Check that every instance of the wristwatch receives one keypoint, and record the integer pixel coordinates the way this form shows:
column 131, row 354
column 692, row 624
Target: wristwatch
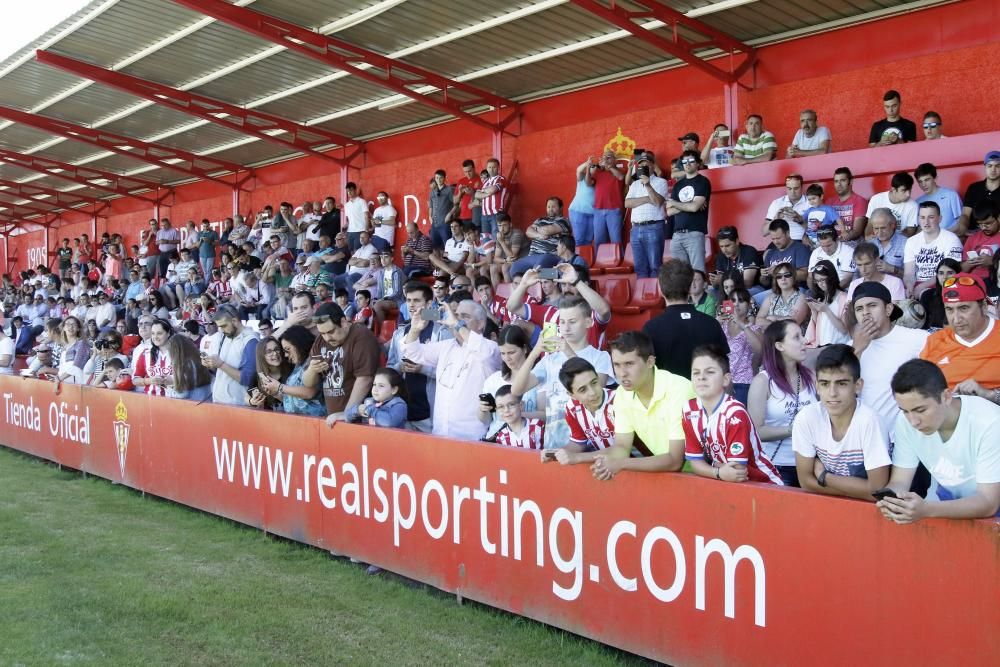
column 821, row 480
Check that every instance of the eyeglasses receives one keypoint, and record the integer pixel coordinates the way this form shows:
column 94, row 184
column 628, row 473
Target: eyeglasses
column 780, row 276
column 928, row 126
column 273, row 350
column 960, row 280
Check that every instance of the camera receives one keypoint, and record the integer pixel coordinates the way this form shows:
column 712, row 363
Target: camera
column 641, row 171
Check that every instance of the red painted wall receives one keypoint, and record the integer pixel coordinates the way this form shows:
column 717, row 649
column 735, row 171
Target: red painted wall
column 938, row 58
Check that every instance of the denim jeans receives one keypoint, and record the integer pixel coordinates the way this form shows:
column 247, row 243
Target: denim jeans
column 206, row 266
column 689, row 247
column 607, row 226
column 354, row 241
column 583, row 227
column 440, row 235
column 647, row 248
column 488, row 225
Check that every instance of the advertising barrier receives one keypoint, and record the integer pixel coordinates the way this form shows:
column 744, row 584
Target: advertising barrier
column 677, row 568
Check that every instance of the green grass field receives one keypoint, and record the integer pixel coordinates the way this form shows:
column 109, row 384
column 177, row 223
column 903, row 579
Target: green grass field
column 92, row 573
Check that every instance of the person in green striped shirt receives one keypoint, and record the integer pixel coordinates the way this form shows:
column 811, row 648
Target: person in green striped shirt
column 756, row 145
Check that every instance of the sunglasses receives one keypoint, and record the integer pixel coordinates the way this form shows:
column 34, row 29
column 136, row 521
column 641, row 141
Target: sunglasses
column 928, row 126
column 105, row 345
column 779, row 276
column 960, row 280
column 689, row 160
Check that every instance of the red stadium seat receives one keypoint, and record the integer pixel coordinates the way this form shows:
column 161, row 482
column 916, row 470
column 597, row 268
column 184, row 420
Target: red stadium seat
column 627, row 265
column 617, row 291
column 587, row 252
column 647, row 294
column 609, row 255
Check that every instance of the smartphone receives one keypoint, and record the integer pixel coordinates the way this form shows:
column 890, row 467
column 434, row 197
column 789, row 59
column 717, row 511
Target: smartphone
column 548, row 274
column 430, row 315
column 488, row 398
column 723, row 134
column 550, row 337
column 884, row 492
column 727, row 308
column 549, row 454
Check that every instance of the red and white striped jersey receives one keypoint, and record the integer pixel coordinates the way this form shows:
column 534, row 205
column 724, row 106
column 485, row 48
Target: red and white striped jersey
column 726, row 436
column 531, row 436
column 540, row 314
column 594, row 429
column 498, row 309
column 495, row 202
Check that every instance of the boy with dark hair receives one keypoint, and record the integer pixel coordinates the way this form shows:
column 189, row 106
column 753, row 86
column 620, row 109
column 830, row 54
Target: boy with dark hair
column 818, row 213
column 956, row 437
column 720, row 439
column 589, row 414
column 893, row 129
column 897, row 199
column 840, row 446
column 365, row 314
column 516, row 430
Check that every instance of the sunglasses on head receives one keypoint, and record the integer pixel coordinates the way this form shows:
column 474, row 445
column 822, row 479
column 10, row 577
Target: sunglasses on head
column 959, row 280
column 826, row 234
column 321, row 319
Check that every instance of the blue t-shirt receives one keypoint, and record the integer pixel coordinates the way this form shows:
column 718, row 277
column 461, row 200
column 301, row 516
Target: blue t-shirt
column 817, row 216
column 583, row 200
column 207, row 240
column 970, row 457
column 950, row 203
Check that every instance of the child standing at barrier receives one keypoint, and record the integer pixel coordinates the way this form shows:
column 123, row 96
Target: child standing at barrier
column 387, row 404
column 590, row 414
column 516, row 430
column 720, row 439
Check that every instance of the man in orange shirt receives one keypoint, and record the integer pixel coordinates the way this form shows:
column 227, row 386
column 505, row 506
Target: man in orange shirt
column 968, row 350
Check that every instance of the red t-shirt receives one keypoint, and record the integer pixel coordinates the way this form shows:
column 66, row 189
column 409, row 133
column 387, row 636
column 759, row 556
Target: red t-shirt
column 465, row 212
column 607, row 190
column 984, row 245
column 854, row 207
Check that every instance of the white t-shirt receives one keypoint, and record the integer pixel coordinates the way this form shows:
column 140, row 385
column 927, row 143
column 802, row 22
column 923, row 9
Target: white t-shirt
column 879, row 362
column 354, row 211
column 648, row 212
column 811, row 143
column 720, row 157
column 897, row 290
column 556, row 397
column 863, row 448
column 842, row 259
column 367, row 251
column 970, row 457
column 928, row 254
column 7, row 347
column 905, row 212
column 455, row 250
column 387, row 232
column 310, row 222
column 795, row 229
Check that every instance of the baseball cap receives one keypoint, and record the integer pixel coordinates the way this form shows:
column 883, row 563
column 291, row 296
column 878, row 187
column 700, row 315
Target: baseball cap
column 874, row 290
column 331, row 310
column 963, row 287
column 690, row 136
column 992, row 156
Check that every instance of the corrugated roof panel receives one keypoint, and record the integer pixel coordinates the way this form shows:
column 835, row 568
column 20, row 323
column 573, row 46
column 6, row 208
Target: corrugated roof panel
column 20, row 138
column 266, row 77
column 193, row 56
column 254, row 153
column 91, row 104
column 33, row 83
column 362, row 124
column 327, row 98
column 150, row 122
column 141, row 22
column 311, row 13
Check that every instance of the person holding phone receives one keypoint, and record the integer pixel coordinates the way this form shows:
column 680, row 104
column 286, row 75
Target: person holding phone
column 718, row 152
column 957, row 438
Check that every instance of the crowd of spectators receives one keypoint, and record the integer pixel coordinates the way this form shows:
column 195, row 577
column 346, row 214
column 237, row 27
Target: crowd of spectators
column 857, row 354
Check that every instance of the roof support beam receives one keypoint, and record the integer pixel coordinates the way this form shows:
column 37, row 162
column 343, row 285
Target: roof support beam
column 31, row 208
column 362, row 63
column 48, row 196
column 108, row 181
column 156, row 154
column 678, row 47
column 300, row 137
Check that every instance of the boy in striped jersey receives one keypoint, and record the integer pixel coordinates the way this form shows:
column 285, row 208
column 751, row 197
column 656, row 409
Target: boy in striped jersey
column 590, row 414
column 516, row 430
column 840, row 445
column 720, row 439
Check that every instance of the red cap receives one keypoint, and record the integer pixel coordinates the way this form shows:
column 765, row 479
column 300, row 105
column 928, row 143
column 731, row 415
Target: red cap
column 963, row 287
